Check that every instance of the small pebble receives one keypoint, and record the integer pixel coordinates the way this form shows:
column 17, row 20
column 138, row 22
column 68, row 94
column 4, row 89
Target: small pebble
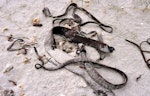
column 36, row 21
column 141, row 23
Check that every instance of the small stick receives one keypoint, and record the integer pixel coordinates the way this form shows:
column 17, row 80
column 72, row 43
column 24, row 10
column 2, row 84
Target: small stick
column 137, row 79
column 37, row 25
column 13, row 82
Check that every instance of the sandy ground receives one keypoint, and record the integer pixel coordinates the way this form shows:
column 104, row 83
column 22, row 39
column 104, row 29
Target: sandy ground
column 129, row 18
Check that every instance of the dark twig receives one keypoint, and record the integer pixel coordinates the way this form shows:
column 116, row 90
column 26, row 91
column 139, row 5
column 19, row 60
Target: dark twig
column 13, row 82
column 37, row 25
column 137, row 79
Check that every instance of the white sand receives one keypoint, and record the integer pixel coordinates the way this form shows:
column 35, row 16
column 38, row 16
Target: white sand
column 129, row 18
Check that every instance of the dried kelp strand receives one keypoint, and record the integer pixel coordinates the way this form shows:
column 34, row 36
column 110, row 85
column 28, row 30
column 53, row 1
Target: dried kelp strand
column 15, row 49
column 142, row 51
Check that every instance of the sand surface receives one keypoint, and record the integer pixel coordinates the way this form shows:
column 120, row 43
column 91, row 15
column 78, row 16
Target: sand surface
column 130, row 19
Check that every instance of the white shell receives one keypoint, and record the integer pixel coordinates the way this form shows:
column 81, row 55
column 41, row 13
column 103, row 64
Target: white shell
column 62, row 95
column 82, row 83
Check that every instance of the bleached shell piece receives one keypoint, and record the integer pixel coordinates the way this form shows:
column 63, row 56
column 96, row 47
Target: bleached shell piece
column 8, row 68
column 62, row 95
column 33, row 39
column 67, row 26
column 82, row 83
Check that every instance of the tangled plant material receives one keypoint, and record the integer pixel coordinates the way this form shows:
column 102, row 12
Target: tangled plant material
column 87, row 68
column 88, row 71
column 142, row 51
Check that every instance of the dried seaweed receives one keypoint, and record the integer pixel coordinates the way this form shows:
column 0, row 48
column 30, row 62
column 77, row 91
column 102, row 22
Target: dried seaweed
column 8, row 93
column 87, row 67
column 142, row 51
column 78, row 19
